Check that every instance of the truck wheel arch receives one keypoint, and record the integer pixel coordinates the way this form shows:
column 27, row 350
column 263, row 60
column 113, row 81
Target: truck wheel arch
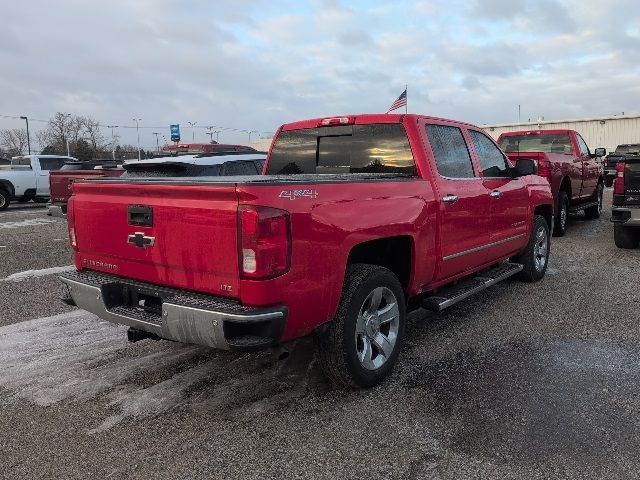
column 395, row 253
column 8, row 186
column 546, row 211
column 566, row 186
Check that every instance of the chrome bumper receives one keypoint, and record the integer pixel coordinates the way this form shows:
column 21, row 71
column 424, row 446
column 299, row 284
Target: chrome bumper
column 184, row 317
column 626, row 216
column 56, row 211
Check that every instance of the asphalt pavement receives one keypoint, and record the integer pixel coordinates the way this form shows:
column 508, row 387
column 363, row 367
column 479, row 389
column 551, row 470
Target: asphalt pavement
column 523, row 381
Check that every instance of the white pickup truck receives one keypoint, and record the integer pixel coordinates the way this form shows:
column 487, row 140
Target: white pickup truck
column 27, row 178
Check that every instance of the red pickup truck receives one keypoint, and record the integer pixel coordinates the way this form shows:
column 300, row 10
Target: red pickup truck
column 358, row 220
column 563, row 158
column 61, row 181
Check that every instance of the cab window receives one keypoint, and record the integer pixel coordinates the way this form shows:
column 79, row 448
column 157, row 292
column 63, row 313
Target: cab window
column 492, row 161
column 450, row 151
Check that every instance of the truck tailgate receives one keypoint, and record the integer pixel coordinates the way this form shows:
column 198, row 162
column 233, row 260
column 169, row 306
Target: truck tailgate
column 158, row 233
column 632, row 181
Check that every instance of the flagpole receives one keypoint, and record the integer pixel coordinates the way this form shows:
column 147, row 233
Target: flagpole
column 406, row 104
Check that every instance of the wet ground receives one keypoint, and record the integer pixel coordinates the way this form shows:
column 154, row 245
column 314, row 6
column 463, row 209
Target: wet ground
column 523, row 381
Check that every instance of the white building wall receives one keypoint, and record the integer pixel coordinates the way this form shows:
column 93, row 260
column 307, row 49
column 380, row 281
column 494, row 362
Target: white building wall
column 605, row 132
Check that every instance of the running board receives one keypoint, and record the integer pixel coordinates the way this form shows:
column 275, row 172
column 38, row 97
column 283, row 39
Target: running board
column 450, row 295
column 582, row 206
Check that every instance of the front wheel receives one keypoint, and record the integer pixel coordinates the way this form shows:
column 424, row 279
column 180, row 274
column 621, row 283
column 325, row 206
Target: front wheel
column 5, row 199
column 625, row 237
column 535, row 257
column 594, row 212
column 361, row 345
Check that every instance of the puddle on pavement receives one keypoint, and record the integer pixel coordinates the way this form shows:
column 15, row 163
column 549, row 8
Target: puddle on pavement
column 531, row 402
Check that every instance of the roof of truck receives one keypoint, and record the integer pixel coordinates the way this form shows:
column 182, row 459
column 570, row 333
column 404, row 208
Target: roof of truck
column 364, row 119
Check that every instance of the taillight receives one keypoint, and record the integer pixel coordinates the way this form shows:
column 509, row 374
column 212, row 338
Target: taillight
column 264, row 243
column 71, row 225
column 544, row 168
column 605, row 161
column 618, row 182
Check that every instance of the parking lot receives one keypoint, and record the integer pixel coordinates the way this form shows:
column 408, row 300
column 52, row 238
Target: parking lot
column 526, row 380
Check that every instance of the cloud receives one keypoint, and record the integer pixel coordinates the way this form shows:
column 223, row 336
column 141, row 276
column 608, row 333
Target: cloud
column 254, row 64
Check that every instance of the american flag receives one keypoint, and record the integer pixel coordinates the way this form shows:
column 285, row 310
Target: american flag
column 401, row 101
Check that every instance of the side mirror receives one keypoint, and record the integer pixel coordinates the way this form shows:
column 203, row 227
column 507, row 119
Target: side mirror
column 525, row 166
column 600, row 152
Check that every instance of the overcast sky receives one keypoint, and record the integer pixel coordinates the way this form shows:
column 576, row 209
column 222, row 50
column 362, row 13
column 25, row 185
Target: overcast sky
column 253, row 64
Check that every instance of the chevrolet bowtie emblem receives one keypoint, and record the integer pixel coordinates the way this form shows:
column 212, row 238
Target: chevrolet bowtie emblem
column 140, row 240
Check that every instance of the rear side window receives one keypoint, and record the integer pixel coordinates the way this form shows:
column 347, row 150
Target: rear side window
column 450, row 151
column 51, row 163
column 491, row 158
column 376, row 148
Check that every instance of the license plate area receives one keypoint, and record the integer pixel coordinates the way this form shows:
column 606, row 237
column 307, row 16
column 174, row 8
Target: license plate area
column 136, row 299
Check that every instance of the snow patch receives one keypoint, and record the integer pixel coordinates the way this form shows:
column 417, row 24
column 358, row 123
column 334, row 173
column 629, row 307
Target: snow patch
column 20, row 276
column 26, row 223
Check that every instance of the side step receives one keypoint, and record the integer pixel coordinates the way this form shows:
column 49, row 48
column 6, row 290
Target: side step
column 450, row 295
column 582, row 206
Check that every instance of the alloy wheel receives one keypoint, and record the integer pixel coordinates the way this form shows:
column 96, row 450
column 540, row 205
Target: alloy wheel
column 541, row 249
column 377, row 328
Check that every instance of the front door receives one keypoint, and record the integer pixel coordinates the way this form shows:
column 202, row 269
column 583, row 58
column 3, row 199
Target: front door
column 508, row 198
column 590, row 170
column 463, row 202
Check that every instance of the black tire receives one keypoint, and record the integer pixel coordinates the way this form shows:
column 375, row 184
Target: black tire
column 535, row 256
column 626, row 237
column 338, row 344
column 593, row 213
column 5, row 199
column 562, row 219
column 608, row 181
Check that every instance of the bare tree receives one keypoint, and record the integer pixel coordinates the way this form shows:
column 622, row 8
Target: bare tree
column 78, row 131
column 13, row 141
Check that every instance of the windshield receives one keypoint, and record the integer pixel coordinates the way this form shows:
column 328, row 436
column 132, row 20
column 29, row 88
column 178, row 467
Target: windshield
column 375, row 148
column 545, row 142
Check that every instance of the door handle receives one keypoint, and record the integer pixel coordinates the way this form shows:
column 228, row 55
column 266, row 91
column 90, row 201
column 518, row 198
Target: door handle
column 495, row 194
column 450, row 198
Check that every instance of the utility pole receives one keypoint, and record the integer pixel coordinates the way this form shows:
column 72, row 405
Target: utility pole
column 250, row 132
column 28, row 137
column 518, row 113
column 138, row 132
column 193, row 131
column 157, row 144
column 211, row 132
column 113, row 141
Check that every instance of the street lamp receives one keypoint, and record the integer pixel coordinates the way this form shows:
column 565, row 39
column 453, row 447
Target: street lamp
column 157, row 144
column 193, row 131
column 66, row 137
column 138, row 133
column 28, row 137
column 113, row 141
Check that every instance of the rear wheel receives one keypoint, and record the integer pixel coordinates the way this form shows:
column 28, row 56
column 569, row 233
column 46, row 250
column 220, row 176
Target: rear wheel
column 535, row 257
column 562, row 215
column 595, row 211
column 361, row 345
column 5, row 199
column 625, row 237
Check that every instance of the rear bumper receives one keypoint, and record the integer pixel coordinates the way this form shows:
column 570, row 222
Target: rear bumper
column 626, row 215
column 59, row 211
column 178, row 315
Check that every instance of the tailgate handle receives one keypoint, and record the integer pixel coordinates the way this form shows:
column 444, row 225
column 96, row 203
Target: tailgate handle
column 141, row 215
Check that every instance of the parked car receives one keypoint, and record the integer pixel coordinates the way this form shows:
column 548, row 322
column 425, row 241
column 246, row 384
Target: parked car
column 27, row 178
column 563, row 158
column 631, row 150
column 359, row 220
column 61, row 181
column 625, row 213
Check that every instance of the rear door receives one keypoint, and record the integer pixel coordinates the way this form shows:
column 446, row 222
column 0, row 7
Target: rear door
column 464, row 202
column 508, row 198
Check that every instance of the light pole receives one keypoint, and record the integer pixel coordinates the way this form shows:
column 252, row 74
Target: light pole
column 193, row 131
column 157, row 144
column 113, row 141
column 138, row 133
column 66, row 137
column 28, row 137
column 250, row 132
